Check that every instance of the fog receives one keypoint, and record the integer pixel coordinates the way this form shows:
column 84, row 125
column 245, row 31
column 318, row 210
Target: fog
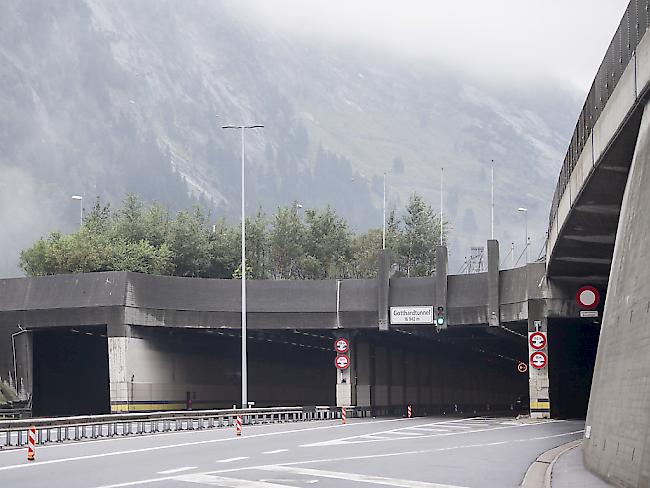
column 495, row 39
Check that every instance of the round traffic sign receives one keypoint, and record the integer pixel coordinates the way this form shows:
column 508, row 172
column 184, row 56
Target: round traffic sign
column 342, row 361
column 522, row 367
column 588, row 297
column 341, row 345
column 537, row 340
column 538, row 360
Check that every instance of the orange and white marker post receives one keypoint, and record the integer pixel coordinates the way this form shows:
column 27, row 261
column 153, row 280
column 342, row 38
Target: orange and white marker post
column 409, row 412
column 31, row 444
column 238, row 424
column 344, row 417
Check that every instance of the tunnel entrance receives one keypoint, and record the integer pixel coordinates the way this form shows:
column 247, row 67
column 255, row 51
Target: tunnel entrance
column 71, row 371
column 572, row 357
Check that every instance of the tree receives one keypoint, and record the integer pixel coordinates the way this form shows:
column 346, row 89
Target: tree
column 327, row 244
column 417, row 246
column 188, row 240
column 286, row 244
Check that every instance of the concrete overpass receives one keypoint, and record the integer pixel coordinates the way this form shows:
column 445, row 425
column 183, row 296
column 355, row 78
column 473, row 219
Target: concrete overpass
column 598, row 235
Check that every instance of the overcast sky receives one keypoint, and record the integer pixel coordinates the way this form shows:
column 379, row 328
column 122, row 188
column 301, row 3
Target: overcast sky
column 563, row 38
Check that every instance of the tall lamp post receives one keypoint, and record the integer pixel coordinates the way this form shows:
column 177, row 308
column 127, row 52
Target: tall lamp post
column 81, row 208
column 525, row 212
column 244, row 369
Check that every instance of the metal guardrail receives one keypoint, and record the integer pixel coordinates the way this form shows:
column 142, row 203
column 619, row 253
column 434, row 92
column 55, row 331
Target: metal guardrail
column 13, row 433
column 621, row 50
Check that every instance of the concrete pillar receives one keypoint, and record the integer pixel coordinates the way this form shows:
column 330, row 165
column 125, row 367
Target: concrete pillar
column 442, row 268
column 383, row 283
column 346, row 393
column 493, row 282
column 538, row 380
column 24, row 355
column 118, row 371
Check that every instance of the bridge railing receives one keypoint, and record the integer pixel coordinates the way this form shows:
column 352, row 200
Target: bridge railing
column 621, row 50
column 14, row 433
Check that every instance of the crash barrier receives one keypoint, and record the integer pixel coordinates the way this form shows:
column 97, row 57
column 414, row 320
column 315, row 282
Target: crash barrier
column 15, row 433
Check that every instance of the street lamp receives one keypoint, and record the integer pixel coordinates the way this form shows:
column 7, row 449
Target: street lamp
column 244, row 372
column 81, row 208
column 525, row 212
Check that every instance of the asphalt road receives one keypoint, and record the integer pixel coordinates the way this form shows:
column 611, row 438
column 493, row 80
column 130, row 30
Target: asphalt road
column 413, row 453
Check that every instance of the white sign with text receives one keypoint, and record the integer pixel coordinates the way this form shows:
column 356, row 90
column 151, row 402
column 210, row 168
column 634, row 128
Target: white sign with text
column 411, row 315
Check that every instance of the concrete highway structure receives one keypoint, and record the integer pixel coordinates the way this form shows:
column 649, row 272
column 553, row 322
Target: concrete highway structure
column 126, row 342
column 427, row 452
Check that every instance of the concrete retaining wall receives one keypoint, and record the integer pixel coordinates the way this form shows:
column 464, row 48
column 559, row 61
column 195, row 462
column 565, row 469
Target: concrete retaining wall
column 618, row 421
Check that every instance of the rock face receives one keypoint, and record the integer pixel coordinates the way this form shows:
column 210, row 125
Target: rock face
column 100, row 98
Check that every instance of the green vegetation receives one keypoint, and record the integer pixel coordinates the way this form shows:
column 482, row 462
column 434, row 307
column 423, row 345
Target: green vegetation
column 287, row 245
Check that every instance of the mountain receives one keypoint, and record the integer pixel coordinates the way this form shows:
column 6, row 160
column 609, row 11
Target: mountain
column 103, row 98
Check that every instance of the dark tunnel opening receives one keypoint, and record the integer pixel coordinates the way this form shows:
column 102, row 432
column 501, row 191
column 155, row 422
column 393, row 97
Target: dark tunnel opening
column 572, row 358
column 71, row 372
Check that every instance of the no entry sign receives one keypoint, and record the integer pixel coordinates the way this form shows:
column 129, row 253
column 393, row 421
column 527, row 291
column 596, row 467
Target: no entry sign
column 537, row 340
column 538, row 360
column 341, row 345
column 587, row 297
column 342, row 361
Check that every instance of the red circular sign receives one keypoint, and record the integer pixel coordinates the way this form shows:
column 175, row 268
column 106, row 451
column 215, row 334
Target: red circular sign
column 341, row 345
column 538, row 360
column 537, row 340
column 522, row 367
column 342, row 361
column 588, row 297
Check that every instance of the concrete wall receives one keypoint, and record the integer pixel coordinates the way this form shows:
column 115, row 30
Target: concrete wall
column 618, row 421
column 152, row 368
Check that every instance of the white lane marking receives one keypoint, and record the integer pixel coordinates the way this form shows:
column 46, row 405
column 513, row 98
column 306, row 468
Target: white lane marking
column 362, row 478
column 364, row 439
column 244, row 468
column 336, row 422
column 209, row 480
column 232, row 460
column 180, row 444
column 333, row 460
column 276, row 451
column 177, row 470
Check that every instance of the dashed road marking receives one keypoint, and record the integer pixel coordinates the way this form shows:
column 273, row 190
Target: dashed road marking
column 232, row 460
column 177, row 470
column 277, row 451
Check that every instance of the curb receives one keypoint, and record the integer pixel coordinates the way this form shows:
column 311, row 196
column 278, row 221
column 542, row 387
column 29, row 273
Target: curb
column 539, row 473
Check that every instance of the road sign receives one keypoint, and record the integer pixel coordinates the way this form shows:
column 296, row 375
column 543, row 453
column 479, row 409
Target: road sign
column 522, row 367
column 538, row 360
column 537, row 340
column 342, row 361
column 411, row 315
column 589, row 314
column 587, row 297
column 341, row 345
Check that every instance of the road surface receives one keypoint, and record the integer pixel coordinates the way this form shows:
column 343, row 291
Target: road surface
column 429, row 452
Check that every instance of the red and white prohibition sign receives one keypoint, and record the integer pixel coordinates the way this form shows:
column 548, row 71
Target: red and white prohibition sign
column 341, row 345
column 538, row 360
column 588, row 297
column 537, row 340
column 342, row 361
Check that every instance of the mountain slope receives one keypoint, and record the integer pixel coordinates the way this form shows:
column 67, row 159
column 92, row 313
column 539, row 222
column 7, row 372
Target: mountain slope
column 101, row 98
